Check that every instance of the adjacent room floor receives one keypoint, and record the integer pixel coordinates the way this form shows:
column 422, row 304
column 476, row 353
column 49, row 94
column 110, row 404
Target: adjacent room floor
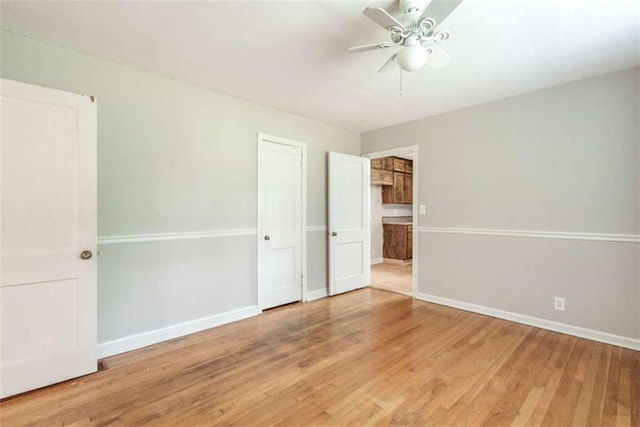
column 392, row 277
column 361, row 358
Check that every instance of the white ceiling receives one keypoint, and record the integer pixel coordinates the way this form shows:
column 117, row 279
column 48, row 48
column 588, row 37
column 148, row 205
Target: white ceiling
column 290, row 54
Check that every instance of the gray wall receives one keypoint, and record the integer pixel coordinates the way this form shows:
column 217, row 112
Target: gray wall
column 174, row 158
column 564, row 160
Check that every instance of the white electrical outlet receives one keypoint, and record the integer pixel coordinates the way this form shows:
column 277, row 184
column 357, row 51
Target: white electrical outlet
column 558, row 303
column 423, row 209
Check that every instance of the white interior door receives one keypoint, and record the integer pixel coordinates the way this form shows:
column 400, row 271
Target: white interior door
column 281, row 219
column 349, row 237
column 48, row 292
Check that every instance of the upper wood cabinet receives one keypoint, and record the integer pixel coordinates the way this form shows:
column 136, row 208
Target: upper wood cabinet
column 398, row 164
column 385, row 163
column 408, row 166
column 381, row 177
column 382, row 171
column 398, row 179
column 408, row 188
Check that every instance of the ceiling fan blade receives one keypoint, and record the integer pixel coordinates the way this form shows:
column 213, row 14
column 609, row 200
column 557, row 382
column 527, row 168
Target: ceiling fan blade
column 382, row 17
column 391, row 64
column 438, row 58
column 439, row 10
column 366, row 47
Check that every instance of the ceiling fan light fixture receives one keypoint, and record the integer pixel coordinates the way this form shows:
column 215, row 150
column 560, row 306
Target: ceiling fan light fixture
column 412, row 57
column 442, row 36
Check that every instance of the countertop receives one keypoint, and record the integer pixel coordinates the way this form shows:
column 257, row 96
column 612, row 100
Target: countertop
column 397, row 220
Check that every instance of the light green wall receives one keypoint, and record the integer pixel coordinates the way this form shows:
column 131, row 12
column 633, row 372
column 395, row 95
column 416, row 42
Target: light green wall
column 173, row 157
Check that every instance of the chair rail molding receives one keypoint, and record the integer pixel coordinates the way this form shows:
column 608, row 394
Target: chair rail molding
column 139, row 238
column 567, row 235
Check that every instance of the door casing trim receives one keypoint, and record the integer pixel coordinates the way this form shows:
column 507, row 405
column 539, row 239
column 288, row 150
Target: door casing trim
column 413, row 151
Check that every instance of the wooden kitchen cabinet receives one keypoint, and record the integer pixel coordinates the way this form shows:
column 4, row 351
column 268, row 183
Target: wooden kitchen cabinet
column 397, row 241
column 408, row 166
column 408, row 188
column 384, row 163
column 382, row 171
column 398, row 164
column 387, row 163
column 381, row 177
column 401, row 190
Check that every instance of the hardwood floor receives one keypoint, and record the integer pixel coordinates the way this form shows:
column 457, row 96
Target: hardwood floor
column 392, row 277
column 366, row 357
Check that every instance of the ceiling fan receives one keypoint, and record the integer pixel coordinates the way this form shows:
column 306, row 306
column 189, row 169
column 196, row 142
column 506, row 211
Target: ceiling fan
column 417, row 30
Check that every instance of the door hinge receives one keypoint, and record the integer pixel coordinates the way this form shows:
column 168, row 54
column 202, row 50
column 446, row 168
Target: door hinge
column 301, row 281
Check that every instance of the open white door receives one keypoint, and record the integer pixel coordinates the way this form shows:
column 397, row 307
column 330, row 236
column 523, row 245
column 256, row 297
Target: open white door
column 48, row 321
column 349, row 236
column 281, row 221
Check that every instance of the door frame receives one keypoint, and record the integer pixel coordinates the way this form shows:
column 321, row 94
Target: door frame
column 263, row 137
column 413, row 151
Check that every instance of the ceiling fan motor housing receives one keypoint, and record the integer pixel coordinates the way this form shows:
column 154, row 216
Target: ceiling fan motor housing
column 409, row 6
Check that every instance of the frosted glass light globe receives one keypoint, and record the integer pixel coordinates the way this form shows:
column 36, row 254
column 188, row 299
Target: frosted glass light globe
column 412, row 57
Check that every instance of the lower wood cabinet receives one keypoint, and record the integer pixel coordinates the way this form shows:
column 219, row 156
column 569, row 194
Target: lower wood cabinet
column 397, row 241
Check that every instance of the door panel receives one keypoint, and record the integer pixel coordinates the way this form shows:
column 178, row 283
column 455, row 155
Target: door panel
column 280, row 224
column 47, row 292
column 408, row 188
column 349, row 236
column 398, row 187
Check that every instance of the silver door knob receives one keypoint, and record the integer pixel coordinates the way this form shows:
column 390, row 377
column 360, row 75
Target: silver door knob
column 267, row 237
column 334, row 234
column 86, row 254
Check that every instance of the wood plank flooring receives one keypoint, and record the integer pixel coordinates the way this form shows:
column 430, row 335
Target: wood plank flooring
column 392, row 277
column 362, row 358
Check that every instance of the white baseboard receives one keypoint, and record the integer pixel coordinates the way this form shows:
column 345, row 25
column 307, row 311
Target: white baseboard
column 375, row 261
column 626, row 342
column 144, row 339
column 317, row 294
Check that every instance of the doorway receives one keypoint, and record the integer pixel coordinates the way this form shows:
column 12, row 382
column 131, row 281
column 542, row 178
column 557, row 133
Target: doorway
column 394, row 214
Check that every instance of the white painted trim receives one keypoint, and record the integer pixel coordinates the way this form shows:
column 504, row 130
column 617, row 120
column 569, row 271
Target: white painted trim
column 303, row 147
column 626, row 238
column 413, row 151
column 317, row 228
column 140, row 238
column 410, row 150
column 317, row 294
column 375, row 261
column 626, row 342
column 144, row 339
